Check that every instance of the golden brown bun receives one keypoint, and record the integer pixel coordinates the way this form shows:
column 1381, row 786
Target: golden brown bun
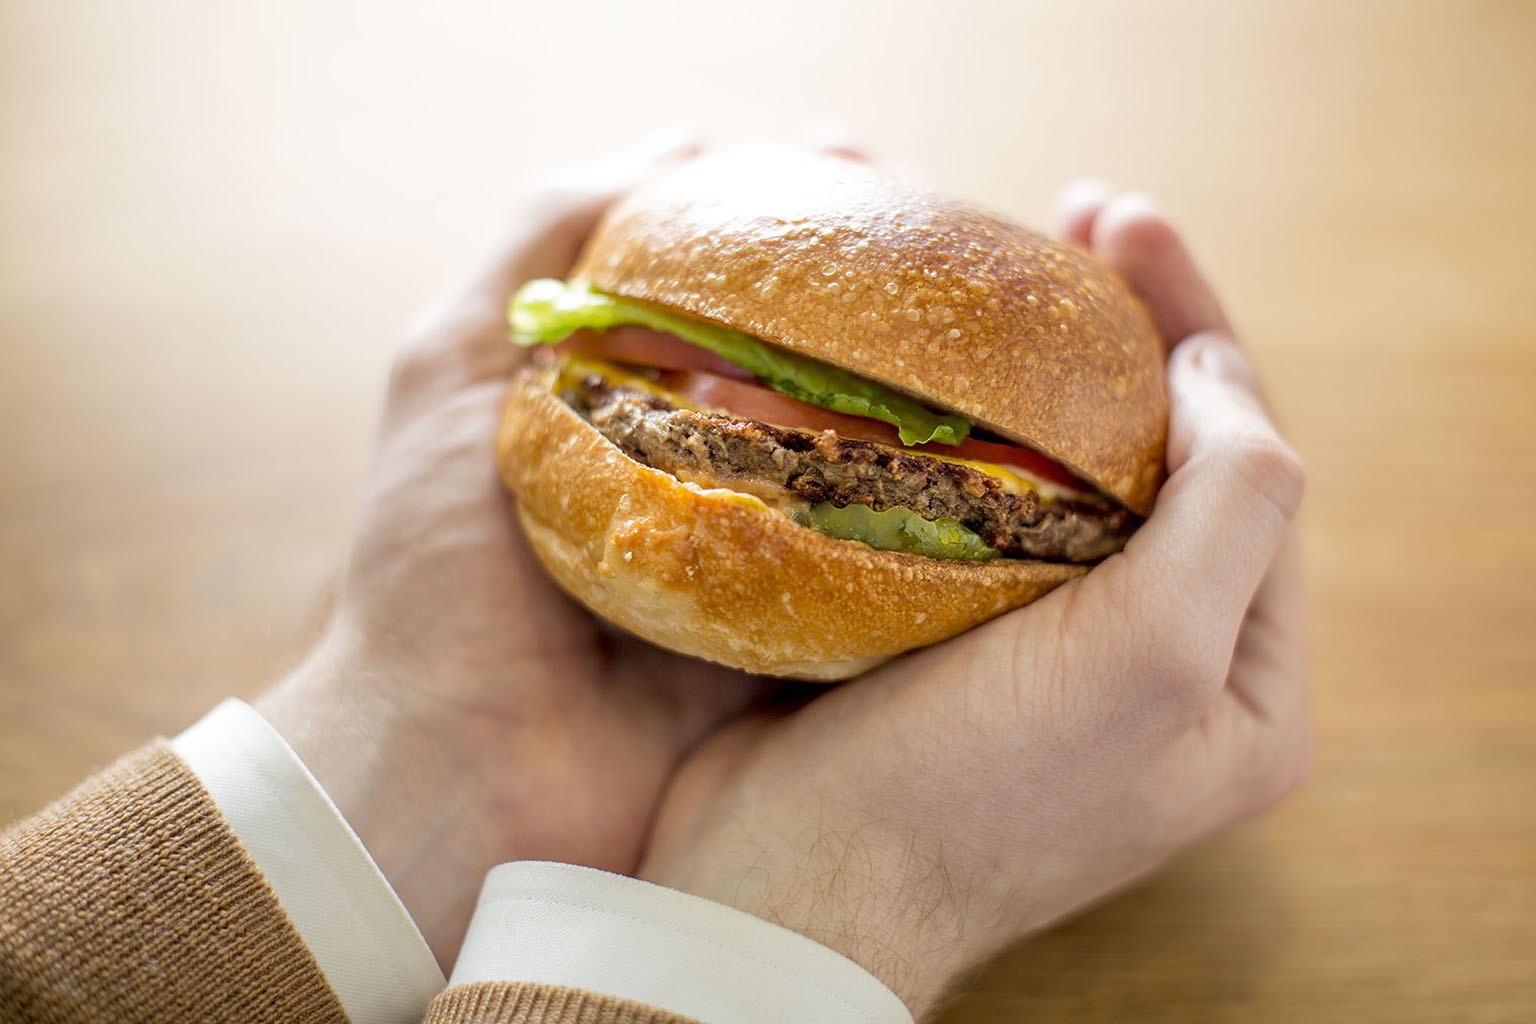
column 838, row 260
column 717, row 575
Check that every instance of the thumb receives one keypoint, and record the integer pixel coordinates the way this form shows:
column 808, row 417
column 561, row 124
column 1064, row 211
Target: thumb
column 555, row 217
column 462, row 339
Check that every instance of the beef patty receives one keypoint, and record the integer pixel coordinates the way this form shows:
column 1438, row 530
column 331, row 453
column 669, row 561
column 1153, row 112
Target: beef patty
column 717, row 450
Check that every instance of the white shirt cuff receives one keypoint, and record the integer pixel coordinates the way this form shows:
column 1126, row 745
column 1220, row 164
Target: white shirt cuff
column 364, row 940
column 558, row 924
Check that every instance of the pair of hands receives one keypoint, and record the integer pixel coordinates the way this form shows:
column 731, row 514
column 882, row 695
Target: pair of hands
column 463, row 712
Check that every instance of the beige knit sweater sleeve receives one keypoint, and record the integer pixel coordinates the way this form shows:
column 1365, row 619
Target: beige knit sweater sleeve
column 131, row 899
column 500, row 1002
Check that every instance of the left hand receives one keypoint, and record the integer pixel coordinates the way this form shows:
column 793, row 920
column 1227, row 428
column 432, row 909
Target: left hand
column 460, row 710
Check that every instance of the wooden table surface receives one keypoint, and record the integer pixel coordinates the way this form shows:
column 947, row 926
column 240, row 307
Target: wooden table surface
column 215, row 218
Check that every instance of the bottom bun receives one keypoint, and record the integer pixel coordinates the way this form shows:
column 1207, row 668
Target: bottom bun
column 718, row 575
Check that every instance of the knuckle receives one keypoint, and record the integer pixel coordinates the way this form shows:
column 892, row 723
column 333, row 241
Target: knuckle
column 1271, row 469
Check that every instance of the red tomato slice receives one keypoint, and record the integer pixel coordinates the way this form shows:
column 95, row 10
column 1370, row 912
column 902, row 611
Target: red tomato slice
column 754, row 402
column 644, row 347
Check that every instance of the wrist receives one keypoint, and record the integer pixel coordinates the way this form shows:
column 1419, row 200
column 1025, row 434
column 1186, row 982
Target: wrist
column 900, row 919
column 404, row 777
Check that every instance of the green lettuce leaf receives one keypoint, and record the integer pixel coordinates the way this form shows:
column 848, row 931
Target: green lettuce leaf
column 898, row 529
column 545, row 312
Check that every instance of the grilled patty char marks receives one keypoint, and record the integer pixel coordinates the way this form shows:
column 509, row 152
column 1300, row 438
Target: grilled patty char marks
column 722, row 451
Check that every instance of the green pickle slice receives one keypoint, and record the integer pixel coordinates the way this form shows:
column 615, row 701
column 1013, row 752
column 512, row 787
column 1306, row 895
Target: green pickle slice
column 898, row 529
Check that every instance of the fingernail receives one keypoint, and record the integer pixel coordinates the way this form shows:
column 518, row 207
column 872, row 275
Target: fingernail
column 1224, row 361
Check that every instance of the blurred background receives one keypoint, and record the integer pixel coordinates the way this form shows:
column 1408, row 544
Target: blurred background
column 217, row 219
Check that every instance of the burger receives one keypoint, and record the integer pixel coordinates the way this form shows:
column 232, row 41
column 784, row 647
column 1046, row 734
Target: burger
column 795, row 415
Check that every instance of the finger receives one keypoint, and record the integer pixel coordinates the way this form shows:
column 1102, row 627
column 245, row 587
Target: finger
column 1076, row 208
column 1269, row 670
column 1253, row 745
column 463, row 340
column 553, row 222
column 1239, row 765
column 1132, row 237
column 1233, row 767
column 1187, row 578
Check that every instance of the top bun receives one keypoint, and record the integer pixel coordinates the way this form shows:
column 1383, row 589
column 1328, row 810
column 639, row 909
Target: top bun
column 840, row 261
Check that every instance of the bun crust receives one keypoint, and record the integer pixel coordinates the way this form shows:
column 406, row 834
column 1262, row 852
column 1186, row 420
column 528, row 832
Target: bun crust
column 834, row 259
column 718, row 575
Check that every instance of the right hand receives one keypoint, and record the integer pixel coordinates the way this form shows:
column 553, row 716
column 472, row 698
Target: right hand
column 921, row 818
